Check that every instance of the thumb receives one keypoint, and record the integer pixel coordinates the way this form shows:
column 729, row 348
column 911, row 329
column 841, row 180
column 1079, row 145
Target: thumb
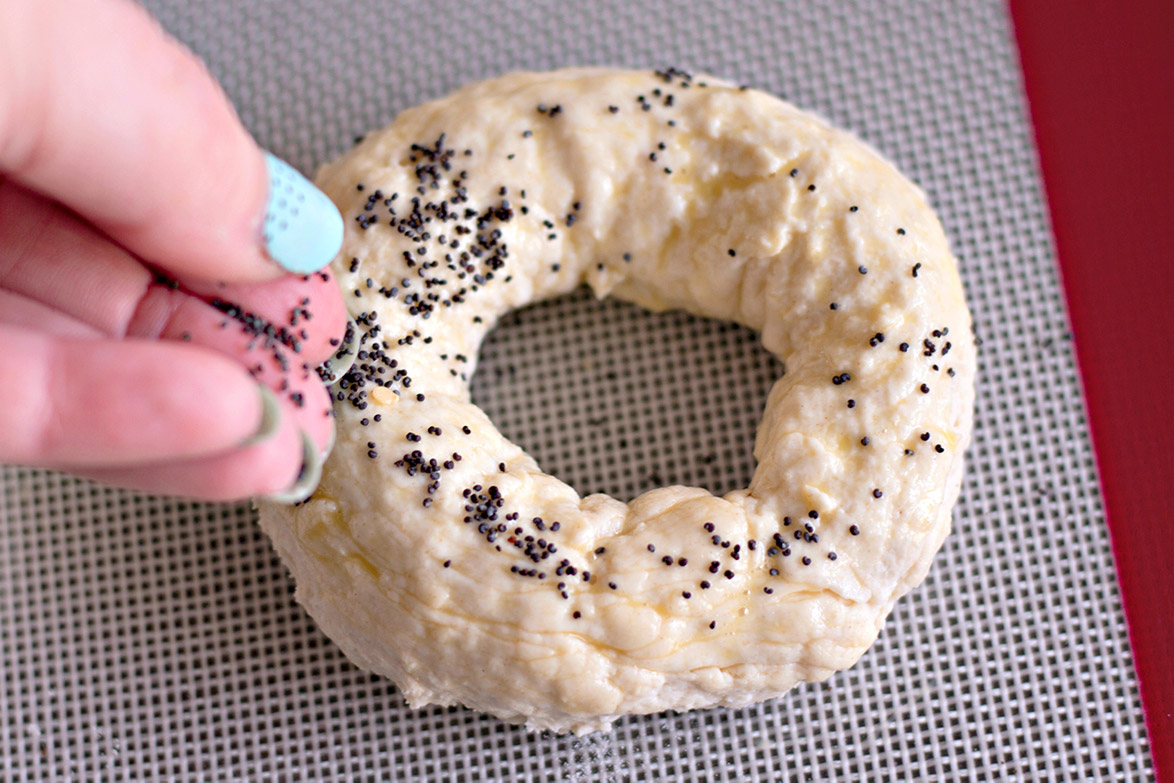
column 104, row 112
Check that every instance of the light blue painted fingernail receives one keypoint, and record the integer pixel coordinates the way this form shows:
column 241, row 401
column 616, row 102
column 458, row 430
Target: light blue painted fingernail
column 303, row 229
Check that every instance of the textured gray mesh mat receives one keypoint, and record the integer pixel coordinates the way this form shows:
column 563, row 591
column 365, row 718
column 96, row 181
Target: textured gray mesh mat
column 145, row 638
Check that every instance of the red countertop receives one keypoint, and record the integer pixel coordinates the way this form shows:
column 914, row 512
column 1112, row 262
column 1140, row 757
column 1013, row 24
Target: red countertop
column 1100, row 83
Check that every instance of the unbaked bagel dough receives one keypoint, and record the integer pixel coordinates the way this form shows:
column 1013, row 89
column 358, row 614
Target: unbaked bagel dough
column 438, row 553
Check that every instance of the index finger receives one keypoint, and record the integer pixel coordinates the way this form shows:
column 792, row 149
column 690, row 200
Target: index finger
column 106, row 113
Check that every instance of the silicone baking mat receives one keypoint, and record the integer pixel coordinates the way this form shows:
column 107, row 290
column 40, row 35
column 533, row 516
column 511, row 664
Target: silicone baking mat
column 148, row 638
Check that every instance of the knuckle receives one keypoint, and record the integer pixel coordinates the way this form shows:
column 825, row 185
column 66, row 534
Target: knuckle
column 155, row 312
column 30, row 432
column 25, row 99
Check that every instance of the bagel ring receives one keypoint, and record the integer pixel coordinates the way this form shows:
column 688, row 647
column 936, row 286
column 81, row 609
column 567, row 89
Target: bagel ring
column 437, row 553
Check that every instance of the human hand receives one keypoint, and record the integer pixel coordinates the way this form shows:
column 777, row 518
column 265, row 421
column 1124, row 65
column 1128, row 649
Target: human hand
column 133, row 208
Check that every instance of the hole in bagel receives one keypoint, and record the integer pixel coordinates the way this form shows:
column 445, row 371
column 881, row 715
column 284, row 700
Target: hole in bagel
column 612, row 398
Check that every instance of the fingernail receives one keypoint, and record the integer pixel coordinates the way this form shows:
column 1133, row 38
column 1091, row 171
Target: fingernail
column 303, row 229
column 270, row 417
column 330, row 443
column 343, row 358
column 308, row 476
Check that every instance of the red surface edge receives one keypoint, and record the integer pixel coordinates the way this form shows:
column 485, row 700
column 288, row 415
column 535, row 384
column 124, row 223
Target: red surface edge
column 1100, row 83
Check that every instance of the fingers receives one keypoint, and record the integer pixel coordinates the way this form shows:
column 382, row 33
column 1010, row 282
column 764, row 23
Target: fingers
column 157, row 417
column 311, row 309
column 68, row 402
column 49, row 255
column 104, row 112
column 267, row 353
column 270, row 468
column 18, row 311
column 256, row 348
